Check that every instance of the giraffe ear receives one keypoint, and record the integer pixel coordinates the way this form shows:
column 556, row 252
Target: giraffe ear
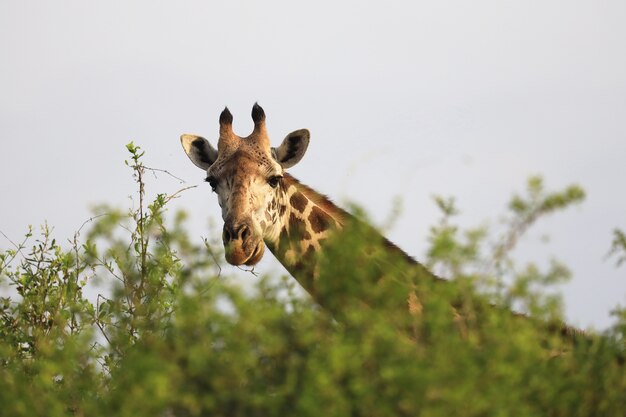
column 199, row 150
column 291, row 151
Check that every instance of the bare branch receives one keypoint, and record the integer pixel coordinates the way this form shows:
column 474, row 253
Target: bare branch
column 177, row 193
column 18, row 248
column 155, row 170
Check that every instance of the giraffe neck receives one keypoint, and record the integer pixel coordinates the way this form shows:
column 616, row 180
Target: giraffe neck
column 307, row 220
column 310, row 225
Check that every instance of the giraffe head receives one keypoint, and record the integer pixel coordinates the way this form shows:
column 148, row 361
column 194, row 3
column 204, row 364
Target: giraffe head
column 246, row 173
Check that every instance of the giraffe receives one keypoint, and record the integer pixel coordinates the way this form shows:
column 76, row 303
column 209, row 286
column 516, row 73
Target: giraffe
column 264, row 206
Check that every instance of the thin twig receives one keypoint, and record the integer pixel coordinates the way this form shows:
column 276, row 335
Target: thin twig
column 107, row 337
column 177, row 193
column 165, row 172
column 252, row 271
column 18, row 248
column 219, row 267
column 9, row 239
column 108, row 268
column 92, row 218
column 208, row 247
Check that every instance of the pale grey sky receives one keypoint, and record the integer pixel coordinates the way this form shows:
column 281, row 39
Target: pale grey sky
column 403, row 98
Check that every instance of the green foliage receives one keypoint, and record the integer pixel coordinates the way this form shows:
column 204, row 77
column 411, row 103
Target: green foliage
column 485, row 257
column 618, row 247
column 135, row 318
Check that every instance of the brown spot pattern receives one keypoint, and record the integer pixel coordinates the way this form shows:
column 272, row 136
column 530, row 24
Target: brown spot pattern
column 319, row 220
column 299, row 202
column 297, row 228
column 306, row 261
column 283, row 243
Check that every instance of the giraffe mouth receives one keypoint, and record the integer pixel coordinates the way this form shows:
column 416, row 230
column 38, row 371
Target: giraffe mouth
column 257, row 254
column 236, row 255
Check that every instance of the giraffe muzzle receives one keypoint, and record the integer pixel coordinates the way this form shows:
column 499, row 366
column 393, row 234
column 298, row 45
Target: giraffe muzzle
column 241, row 246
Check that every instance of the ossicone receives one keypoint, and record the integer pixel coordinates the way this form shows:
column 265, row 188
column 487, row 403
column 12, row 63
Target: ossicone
column 258, row 115
column 226, row 118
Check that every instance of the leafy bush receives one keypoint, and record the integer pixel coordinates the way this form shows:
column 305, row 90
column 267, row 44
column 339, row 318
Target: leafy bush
column 139, row 320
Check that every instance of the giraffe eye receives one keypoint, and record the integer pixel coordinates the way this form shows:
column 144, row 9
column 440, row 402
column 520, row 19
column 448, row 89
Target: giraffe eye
column 274, row 180
column 212, row 182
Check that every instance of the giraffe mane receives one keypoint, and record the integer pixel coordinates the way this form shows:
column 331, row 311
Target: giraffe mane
column 340, row 215
column 320, row 200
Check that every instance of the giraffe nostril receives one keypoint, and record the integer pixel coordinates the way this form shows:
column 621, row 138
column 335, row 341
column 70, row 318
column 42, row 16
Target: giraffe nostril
column 237, row 232
column 244, row 232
